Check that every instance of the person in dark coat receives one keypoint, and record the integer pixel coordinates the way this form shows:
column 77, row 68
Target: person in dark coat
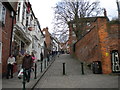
column 27, row 65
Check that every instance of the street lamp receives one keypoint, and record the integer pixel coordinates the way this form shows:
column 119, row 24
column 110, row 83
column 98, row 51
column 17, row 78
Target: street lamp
column 118, row 5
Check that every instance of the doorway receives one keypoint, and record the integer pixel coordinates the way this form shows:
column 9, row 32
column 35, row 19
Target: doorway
column 115, row 61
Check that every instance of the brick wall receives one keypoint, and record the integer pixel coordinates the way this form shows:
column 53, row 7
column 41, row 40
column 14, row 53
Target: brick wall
column 47, row 38
column 113, row 36
column 104, row 46
column 87, row 49
column 98, row 44
column 6, row 34
column 71, row 39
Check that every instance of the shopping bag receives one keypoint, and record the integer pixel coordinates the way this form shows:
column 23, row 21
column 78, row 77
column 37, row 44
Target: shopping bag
column 20, row 73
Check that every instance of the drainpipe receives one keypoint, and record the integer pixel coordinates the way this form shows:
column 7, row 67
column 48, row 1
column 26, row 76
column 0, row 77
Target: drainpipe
column 12, row 16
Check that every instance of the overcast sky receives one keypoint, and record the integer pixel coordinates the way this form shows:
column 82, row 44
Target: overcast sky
column 44, row 12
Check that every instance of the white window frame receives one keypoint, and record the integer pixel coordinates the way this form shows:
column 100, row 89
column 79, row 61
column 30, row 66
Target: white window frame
column 18, row 12
column 2, row 17
column 0, row 52
column 0, row 12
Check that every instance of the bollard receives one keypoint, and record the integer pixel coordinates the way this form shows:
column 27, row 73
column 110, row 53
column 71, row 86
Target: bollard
column 35, row 71
column 45, row 63
column 24, row 79
column 41, row 66
column 82, row 69
column 63, row 68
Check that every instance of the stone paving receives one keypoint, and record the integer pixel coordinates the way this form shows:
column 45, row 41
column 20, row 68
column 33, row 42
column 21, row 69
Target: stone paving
column 54, row 77
column 18, row 83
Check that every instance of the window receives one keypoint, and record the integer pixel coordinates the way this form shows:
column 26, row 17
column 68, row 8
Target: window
column 0, row 52
column 24, row 16
column 18, row 12
column 31, row 19
column 2, row 13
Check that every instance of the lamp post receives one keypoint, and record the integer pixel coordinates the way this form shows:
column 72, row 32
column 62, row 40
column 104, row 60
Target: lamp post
column 118, row 5
column 12, row 16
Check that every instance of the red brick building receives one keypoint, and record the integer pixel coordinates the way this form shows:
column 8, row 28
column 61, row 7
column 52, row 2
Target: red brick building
column 8, row 11
column 99, row 43
column 48, row 41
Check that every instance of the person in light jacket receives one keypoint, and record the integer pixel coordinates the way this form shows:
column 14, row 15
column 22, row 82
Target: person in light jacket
column 19, row 59
column 10, row 65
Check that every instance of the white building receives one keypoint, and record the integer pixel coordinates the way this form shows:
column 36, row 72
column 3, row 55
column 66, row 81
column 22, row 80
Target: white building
column 56, row 45
column 38, row 39
column 27, row 34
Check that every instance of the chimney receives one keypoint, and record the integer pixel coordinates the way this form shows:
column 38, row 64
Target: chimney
column 105, row 13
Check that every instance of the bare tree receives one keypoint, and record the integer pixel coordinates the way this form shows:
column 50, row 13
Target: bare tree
column 74, row 10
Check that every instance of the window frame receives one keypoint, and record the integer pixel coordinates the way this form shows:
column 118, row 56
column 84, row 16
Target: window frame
column 1, row 52
column 2, row 17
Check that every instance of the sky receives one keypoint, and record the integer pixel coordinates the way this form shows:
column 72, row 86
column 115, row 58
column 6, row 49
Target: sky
column 44, row 12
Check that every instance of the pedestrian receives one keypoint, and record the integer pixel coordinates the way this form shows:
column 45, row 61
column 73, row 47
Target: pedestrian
column 41, row 55
column 34, row 60
column 19, row 59
column 10, row 65
column 33, row 57
column 27, row 64
column 48, row 57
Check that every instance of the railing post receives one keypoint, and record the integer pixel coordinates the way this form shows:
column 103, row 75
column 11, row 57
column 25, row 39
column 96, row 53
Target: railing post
column 41, row 66
column 24, row 79
column 35, row 71
column 63, row 68
column 45, row 63
column 82, row 69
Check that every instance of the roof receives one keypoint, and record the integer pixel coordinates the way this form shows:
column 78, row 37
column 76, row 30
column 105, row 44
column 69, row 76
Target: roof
column 87, row 19
column 11, row 6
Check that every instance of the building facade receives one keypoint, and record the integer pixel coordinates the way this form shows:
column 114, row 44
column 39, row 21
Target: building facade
column 19, row 33
column 99, row 43
column 27, row 35
column 7, row 19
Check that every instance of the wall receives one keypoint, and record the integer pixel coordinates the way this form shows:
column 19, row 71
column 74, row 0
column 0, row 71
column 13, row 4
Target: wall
column 47, row 38
column 98, row 44
column 104, row 46
column 6, row 35
column 0, row 48
column 113, row 36
column 87, row 49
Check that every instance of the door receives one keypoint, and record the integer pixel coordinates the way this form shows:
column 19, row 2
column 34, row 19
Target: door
column 115, row 62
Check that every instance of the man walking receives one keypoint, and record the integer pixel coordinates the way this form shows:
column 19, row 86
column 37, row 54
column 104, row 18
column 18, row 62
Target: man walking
column 10, row 62
column 27, row 65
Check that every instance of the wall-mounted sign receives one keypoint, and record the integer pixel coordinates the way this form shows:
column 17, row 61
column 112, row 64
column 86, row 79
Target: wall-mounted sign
column 107, row 54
